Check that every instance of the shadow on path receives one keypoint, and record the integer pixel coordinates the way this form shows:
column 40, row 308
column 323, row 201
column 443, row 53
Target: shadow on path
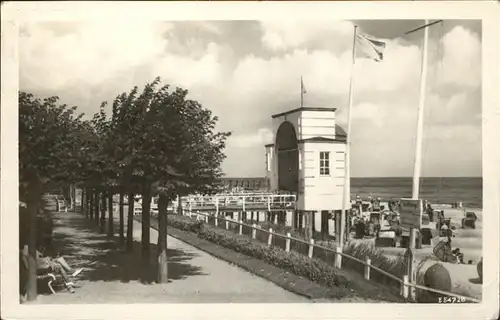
column 80, row 242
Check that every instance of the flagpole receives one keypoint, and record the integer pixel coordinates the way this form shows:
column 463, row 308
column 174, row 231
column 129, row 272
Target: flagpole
column 417, row 167
column 346, row 203
column 417, row 164
column 301, row 92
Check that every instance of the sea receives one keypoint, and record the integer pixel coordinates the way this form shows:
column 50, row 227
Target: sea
column 467, row 190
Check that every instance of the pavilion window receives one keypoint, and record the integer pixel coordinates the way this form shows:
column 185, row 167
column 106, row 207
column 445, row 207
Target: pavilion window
column 324, row 163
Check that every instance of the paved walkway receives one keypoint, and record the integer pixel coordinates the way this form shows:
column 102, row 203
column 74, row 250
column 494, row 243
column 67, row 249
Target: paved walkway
column 115, row 276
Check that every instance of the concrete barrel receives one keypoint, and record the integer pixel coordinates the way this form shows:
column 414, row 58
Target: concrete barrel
column 456, row 278
column 431, row 273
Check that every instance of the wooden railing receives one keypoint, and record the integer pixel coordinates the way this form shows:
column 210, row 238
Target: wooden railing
column 405, row 284
column 244, row 201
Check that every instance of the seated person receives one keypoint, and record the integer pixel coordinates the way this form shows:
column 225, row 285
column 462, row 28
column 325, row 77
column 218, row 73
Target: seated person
column 58, row 266
column 459, row 255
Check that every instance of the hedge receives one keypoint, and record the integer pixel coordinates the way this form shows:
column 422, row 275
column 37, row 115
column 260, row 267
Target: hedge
column 313, row 269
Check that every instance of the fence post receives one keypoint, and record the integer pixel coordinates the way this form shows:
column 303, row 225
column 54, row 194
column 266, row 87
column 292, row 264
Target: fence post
column 270, row 238
column 404, row 287
column 311, row 248
column 240, row 227
column 244, row 198
column 216, row 219
column 206, row 218
column 287, row 243
column 254, row 231
column 338, row 257
column 227, row 224
column 367, row 268
column 269, row 203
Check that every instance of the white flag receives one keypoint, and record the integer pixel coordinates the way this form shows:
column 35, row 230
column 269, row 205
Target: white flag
column 373, row 49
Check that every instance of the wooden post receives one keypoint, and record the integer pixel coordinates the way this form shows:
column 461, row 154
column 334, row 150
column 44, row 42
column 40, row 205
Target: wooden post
column 405, row 287
column 227, row 224
column 367, row 268
column 411, row 264
column 216, row 220
column 240, row 231
column 244, row 198
column 270, row 238
column 206, row 218
column 311, row 248
column 287, row 243
column 254, row 231
column 338, row 257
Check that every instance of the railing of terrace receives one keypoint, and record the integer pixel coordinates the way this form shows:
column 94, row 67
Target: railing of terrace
column 238, row 202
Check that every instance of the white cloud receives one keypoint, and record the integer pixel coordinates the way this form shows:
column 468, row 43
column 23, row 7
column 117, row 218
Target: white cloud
column 91, row 56
column 100, row 61
column 285, row 34
column 461, row 63
column 260, row 138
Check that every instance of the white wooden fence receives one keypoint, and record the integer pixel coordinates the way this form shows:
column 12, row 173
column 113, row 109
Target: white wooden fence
column 405, row 284
column 243, row 201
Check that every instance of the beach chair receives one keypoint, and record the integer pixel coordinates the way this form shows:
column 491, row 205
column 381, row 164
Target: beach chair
column 469, row 221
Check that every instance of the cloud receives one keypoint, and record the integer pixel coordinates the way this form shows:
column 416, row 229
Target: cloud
column 245, row 81
column 280, row 35
column 260, row 138
column 461, row 61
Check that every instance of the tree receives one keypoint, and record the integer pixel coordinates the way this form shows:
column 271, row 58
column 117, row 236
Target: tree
column 163, row 145
column 52, row 139
column 179, row 153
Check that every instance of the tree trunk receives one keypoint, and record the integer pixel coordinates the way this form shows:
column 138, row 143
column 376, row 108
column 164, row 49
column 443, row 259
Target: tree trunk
column 33, row 203
column 146, row 212
column 179, row 205
column 122, row 236
column 130, row 222
column 97, row 208
column 102, row 220
column 72, row 197
column 83, row 199
column 111, row 222
column 91, row 204
column 162, row 240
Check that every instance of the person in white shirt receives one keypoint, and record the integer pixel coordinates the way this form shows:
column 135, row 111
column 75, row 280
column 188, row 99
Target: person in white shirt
column 57, row 265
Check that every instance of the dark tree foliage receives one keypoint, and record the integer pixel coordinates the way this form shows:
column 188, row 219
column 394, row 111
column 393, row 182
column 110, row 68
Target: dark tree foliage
column 52, row 151
column 166, row 144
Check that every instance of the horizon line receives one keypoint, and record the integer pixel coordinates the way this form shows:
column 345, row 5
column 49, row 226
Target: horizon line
column 373, row 177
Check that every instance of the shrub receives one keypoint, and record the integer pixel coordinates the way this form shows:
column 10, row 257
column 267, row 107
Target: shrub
column 395, row 266
column 313, row 269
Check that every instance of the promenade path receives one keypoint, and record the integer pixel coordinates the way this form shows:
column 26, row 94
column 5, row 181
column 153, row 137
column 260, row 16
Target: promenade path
column 115, row 276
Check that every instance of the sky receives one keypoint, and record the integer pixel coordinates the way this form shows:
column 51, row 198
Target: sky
column 246, row 71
